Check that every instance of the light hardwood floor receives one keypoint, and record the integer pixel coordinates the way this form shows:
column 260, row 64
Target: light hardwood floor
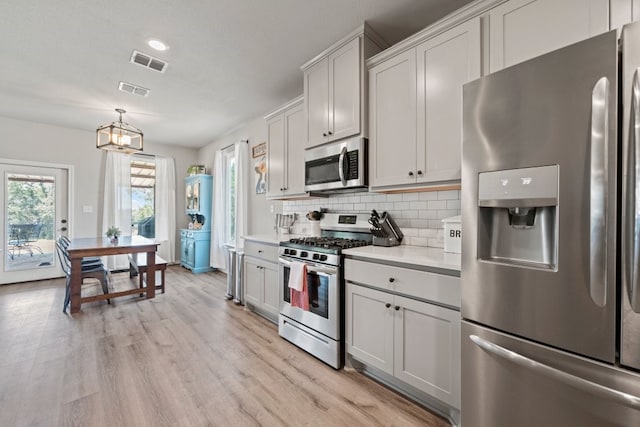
column 185, row 358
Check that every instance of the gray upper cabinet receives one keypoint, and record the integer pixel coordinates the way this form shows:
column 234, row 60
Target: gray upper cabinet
column 415, row 109
column 523, row 29
column 334, row 99
column 285, row 151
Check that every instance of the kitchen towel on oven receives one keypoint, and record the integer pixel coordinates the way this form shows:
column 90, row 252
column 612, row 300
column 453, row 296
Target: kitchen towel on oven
column 298, row 285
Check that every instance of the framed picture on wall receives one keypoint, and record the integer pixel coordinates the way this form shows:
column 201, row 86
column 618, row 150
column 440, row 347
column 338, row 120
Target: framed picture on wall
column 260, row 168
column 259, row 150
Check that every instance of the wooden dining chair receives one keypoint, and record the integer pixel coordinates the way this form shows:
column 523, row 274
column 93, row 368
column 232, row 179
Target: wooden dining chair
column 90, row 269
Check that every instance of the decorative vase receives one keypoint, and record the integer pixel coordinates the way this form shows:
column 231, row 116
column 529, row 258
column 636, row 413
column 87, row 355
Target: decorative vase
column 114, row 240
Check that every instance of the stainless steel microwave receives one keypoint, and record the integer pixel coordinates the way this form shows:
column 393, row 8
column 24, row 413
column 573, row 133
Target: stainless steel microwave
column 340, row 165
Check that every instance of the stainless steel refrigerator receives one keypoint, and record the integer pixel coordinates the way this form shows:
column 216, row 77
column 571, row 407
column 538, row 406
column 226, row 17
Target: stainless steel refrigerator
column 551, row 248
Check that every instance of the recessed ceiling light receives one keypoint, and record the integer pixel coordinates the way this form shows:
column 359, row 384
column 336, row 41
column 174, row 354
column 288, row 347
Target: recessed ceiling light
column 158, row 44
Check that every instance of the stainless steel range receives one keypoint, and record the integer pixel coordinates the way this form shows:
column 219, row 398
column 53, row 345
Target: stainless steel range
column 320, row 329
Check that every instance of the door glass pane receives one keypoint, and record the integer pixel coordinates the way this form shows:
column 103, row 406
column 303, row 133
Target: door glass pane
column 318, row 288
column 30, row 214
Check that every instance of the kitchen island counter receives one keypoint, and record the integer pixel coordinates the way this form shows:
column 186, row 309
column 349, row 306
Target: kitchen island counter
column 415, row 257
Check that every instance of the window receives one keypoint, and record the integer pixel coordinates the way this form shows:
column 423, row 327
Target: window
column 143, row 184
column 229, row 164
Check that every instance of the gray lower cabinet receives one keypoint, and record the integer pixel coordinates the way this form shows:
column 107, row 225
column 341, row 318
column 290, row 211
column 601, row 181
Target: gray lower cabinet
column 261, row 279
column 409, row 336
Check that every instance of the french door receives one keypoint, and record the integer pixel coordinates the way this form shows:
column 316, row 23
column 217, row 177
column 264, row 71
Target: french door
column 34, row 214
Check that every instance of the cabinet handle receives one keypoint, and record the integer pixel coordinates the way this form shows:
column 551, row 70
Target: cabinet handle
column 391, row 280
column 410, row 173
column 397, row 307
column 419, row 172
column 324, row 134
column 330, row 133
column 259, row 251
column 387, row 305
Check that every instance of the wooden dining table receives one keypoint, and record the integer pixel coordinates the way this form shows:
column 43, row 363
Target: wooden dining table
column 102, row 246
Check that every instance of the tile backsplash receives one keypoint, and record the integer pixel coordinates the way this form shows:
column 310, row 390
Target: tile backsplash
column 419, row 215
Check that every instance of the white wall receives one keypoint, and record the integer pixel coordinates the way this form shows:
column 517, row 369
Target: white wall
column 30, row 141
column 261, row 219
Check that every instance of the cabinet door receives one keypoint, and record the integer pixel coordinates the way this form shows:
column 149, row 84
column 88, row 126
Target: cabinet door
column 191, row 252
column 369, row 326
column 523, row 29
column 271, row 300
column 623, row 12
column 445, row 63
column 392, row 126
column 316, row 102
column 183, row 250
column 253, row 282
column 295, row 145
column 344, row 91
column 427, row 348
column 275, row 158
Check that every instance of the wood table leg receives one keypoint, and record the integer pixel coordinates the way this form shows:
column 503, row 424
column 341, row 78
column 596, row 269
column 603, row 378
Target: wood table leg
column 151, row 274
column 76, row 284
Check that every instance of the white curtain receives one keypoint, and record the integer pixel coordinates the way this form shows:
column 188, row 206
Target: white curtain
column 165, row 209
column 242, row 192
column 241, row 154
column 217, row 255
column 117, row 202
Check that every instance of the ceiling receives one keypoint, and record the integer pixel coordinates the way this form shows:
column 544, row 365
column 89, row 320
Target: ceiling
column 230, row 61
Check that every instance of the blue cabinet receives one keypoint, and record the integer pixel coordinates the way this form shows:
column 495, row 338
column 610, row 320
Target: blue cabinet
column 194, row 250
column 195, row 242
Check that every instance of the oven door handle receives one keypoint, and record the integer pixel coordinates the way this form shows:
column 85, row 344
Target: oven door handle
column 312, row 268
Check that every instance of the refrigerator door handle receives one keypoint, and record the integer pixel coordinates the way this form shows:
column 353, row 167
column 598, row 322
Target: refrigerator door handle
column 599, row 182
column 631, row 261
column 558, row 375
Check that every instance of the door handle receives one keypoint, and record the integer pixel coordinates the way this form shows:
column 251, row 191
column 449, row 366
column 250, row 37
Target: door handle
column 599, row 182
column 631, row 234
column 625, row 399
column 341, row 165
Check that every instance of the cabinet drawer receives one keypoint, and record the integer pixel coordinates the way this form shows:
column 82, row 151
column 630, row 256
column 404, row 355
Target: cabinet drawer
column 424, row 285
column 261, row 250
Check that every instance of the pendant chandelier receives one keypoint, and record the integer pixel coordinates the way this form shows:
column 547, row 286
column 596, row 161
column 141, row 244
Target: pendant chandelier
column 119, row 136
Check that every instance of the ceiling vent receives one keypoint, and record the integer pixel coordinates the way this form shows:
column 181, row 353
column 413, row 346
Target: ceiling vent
column 133, row 89
column 148, row 61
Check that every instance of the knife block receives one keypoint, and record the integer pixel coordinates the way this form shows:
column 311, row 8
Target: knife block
column 385, row 241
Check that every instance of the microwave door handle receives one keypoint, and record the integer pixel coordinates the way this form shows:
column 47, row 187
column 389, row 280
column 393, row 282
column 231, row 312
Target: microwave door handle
column 631, row 234
column 341, row 166
column 618, row 396
column 599, row 182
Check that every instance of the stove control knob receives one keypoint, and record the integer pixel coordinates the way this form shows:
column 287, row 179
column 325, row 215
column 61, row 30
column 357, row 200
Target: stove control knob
column 286, row 251
column 292, row 251
column 323, row 257
column 304, row 254
column 316, row 256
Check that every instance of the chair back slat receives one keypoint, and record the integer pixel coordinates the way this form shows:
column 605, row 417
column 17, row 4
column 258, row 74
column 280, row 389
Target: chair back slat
column 63, row 256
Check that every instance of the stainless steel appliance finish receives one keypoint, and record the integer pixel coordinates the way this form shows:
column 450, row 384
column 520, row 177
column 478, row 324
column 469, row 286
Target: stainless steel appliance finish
column 540, row 301
column 630, row 229
column 320, row 330
column 337, row 166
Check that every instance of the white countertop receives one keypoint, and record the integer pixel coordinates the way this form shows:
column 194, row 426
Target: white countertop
column 272, row 238
column 420, row 256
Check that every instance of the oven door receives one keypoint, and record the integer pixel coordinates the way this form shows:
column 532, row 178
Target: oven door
column 324, row 298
